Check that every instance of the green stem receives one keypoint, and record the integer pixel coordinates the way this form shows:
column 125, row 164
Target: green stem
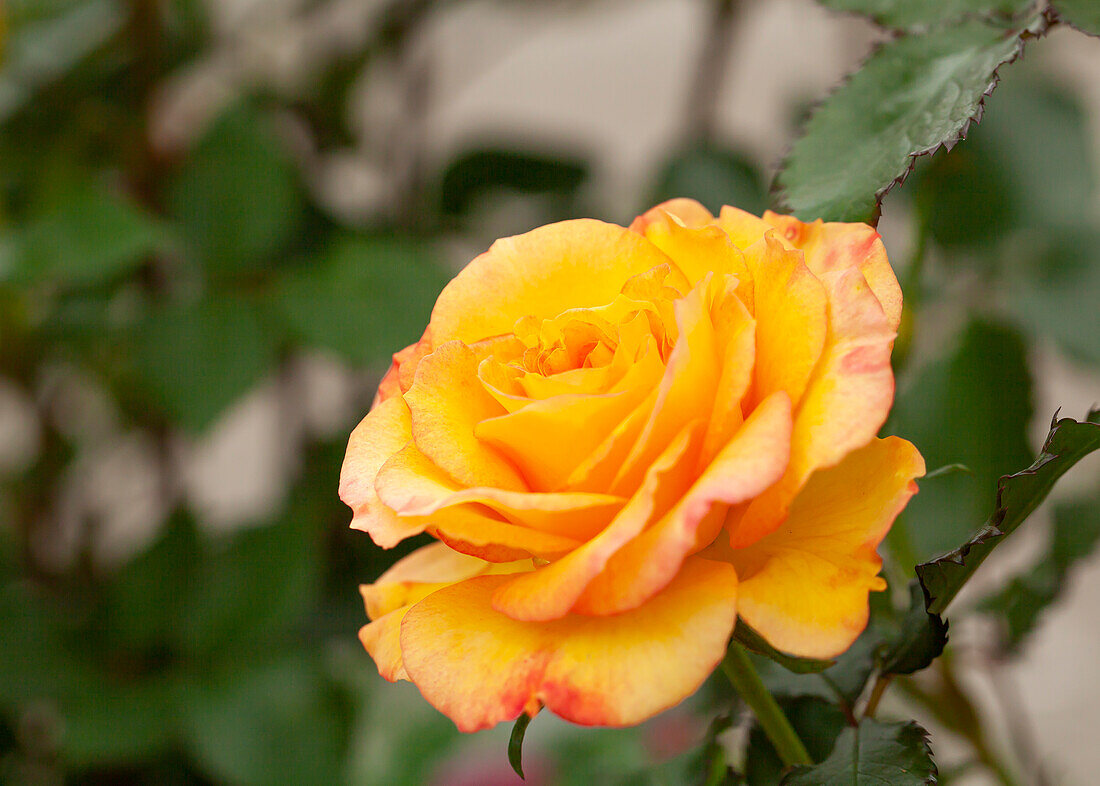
column 742, row 675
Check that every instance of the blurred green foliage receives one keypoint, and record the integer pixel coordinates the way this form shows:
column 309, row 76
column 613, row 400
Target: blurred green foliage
column 168, row 279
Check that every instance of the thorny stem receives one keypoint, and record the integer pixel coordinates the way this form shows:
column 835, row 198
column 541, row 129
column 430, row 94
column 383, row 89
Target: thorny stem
column 742, row 675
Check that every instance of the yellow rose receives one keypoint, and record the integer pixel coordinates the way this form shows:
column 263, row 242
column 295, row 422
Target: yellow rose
column 623, row 439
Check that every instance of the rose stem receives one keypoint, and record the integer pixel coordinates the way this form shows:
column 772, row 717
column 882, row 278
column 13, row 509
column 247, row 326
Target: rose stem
column 742, row 675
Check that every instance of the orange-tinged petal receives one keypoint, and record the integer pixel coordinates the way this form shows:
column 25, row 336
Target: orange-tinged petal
column 735, row 330
column 790, row 320
column 447, row 400
column 550, row 592
column 411, row 579
column 430, row 566
column 845, row 404
column 804, row 587
column 571, row 264
column 382, row 641
column 696, row 250
column 480, row 667
column 688, row 212
column 413, row 486
column 833, row 247
column 743, row 228
column 686, row 391
column 548, row 438
column 598, row 469
column 749, row 463
column 385, row 430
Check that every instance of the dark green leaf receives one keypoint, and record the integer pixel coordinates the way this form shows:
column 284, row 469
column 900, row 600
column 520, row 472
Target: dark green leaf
column 120, row 721
column 1017, row 496
column 279, row 722
column 363, row 298
column 903, row 14
column 817, row 723
column 253, row 591
column 913, row 95
column 973, row 407
column 853, row 667
column 715, row 177
column 198, row 359
column 872, row 754
column 37, row 660
column 754, row 642
column 237, row 197
column 90, row 236
column 515, row 744
column 146, row 599
column 1082, row 14
column 1027, row 164
column 1075, row 534
column 479, row 172
column 920, row 640
column 1055, row 288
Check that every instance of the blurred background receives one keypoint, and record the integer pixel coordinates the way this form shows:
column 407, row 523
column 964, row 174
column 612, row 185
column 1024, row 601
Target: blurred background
column 219, row 217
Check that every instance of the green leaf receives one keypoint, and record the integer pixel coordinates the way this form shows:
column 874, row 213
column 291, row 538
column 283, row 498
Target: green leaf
column 1019, row 605
column 88, row 237
column 1017, row 496
column 147, row 598
column 363, row 298
column 196, row 360
column 972, row 407
column 237, row 196
column 913, row 95
column 713, row 176
column 477, row 173
column 1082, row 14
column 278, row 722
column 37, row 660
column 817, row 722
column 515, row 744
column 252, row 592
column 120, row 721
column 872, row 754
column 1027, row 164
column 1055, row 287
column 903, row 14
column 754, row 642
column 918, row 642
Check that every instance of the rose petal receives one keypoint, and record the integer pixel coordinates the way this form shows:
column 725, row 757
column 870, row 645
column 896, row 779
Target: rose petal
column 385, row 430
column 413, row 486
column 791, row 324
column 833, row 247
column 749, row 463
column 550, row 592
column 571, row 264
column 845, row 404
column 735, row 330
column 696, row 250
column 804, row 587
column 688, row 212
column 408, row 581
column 480, row 667
column 686, row 391
column 548, row 438
column 447, row 400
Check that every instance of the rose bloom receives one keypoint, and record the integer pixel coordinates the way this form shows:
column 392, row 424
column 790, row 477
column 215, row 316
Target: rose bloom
column 624, row 439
